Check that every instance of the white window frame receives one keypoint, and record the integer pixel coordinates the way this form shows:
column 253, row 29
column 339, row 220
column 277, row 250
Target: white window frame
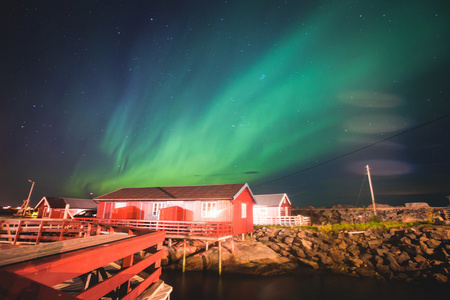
column 120, row 204
column 209, row 209
column 156, row 208
column 244, row 210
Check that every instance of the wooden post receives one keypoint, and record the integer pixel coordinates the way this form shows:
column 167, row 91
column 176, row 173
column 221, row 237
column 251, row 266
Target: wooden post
column 220, row 258
column 371, row 190
column 66, row 211
column 207, row 245
column 184, row 255
column 18, row 229
column 232, row 245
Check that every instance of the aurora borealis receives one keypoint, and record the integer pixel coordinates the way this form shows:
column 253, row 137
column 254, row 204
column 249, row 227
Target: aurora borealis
column 102, row 95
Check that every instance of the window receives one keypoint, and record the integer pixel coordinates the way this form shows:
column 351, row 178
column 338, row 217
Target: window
column 244, row 210
column 156, row 207
column 209, row 210
column 120, row 204
column 262, row 211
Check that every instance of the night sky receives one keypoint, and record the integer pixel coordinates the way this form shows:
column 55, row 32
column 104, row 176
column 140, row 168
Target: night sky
column 291, row 97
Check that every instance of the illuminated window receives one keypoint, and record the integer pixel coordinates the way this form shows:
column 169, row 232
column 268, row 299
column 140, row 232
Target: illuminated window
column 156, row 207
column 209, row 210
column 120, row 204
column 244, row 210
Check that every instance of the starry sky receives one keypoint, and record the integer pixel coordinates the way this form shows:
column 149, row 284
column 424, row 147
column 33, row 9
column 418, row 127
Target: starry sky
column 291, row 97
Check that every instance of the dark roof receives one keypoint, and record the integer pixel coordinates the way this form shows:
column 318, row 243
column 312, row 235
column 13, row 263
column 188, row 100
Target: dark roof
column 59, row 202
column 269, row 199
column 189, row 192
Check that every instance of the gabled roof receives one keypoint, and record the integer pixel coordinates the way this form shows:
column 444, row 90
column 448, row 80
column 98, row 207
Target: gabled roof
column 189, row 192
column 270, row 199
column 59, row 202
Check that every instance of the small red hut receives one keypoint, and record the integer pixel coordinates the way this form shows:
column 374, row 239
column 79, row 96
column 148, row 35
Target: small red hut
column 58, row 207
column 199, row 203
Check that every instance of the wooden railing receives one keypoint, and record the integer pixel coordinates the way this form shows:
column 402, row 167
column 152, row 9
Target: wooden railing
column 37, row 272
column 35, row 231
column 25, row 231
column 194, row 229
column 286, row 221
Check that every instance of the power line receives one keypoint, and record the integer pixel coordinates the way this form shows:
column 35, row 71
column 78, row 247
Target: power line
column 357, row 150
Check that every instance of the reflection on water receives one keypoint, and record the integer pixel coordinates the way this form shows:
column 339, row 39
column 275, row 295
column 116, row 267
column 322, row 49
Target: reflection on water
column 208, row 285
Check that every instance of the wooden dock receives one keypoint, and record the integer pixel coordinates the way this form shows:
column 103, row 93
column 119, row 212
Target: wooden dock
column 123, row 263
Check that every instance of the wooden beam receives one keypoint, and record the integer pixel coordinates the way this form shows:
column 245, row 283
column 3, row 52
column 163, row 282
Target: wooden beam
column 220, row 258
column 123, row 276
column 59, row 268
column 14, row 286
column 184, row 255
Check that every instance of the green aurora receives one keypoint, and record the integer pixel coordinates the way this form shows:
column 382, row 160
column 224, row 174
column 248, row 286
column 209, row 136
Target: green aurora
column 217, row 116
column 100, row 96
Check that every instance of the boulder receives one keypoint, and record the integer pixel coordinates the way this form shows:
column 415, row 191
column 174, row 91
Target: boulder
column 310, row 263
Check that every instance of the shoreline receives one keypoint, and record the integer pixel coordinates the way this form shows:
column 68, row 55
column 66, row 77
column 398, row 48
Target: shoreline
column 416, row 254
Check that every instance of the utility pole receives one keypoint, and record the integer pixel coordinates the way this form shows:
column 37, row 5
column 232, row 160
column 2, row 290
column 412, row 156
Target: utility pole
column 27, row 202
column 371, row 190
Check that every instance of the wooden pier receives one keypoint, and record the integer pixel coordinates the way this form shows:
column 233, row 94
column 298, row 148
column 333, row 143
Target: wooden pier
column 87, row 261
column 209, row 232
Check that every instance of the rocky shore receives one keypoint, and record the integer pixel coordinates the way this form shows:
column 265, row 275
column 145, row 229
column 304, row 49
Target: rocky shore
column 348, row 214
column 410, row 254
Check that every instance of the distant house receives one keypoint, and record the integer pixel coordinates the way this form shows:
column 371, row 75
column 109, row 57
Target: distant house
column 199, row 203
column 271, row 205
column 55, row 207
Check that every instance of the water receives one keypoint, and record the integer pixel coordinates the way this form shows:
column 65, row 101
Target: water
column 209, row 286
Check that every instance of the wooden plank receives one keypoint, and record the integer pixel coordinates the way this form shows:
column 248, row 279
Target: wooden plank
column 124, row 275
column 14, row 286
column 17, row 255
column 62, row 267
column 161, row 294
column 151, row 291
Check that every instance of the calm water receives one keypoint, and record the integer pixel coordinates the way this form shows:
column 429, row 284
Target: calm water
column 209, row 286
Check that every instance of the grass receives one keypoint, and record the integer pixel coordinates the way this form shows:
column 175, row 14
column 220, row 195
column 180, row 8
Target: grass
column 329, row 229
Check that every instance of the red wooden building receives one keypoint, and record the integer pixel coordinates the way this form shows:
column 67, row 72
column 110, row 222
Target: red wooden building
column 57, row 207
column 201, row 203
column 272, row 205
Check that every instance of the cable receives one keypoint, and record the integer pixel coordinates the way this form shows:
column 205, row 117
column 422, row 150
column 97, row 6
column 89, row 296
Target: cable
column 357, row 150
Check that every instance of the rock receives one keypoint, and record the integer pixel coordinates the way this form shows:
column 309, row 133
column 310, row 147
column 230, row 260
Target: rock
column 432, row 243
column 373, row 244
column 310, row 263
column 306, row 244
column 363, row 272
column 336, row 255
column 403, row 257
column 288, row 240
column 299, row 252
column 393, row 264
column 441, row 278
column 274, row 246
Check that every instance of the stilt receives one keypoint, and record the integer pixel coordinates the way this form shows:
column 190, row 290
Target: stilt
column 184, row 255
column 220, row 258
column 243, row 237
column 207, row 245
column 170, row 242
column 232, row 245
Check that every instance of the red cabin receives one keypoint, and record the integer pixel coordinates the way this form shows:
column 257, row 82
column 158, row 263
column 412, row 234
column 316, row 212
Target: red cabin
column 199, row 203
column 58, row 207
